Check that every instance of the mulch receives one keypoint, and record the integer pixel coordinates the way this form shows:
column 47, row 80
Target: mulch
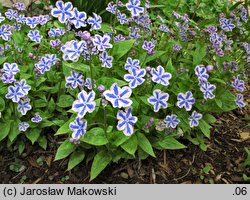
column 221, row 163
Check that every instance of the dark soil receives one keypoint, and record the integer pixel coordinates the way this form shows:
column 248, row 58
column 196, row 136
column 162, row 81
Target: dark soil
column 225, row 155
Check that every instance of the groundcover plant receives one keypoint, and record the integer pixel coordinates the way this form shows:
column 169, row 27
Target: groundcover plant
column 120, row 90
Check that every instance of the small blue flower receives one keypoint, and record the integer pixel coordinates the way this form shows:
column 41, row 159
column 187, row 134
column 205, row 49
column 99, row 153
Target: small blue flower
column 62, row 11
column 148, row 46
column 219, row 52
column 35, row 36
column 238, row 84
column 23, row 85
column 164, row 28
column 21, row 19
column 160, row 76
column 95, row 21
column 24, row 106
column 159, row 100
column 88, row 83
column 78, row 18
column 8, row 78
column 119, row 97
column 55, row 43
column 132, row 64
column 171, row 121
column 126, row 121
column 194, row 119
column 201, row 72
column 23, row 126
column 226, row 24
column 134, row 7
column 56, row 32
column 185, row 100
column 240, row 101
column 11, row 14
column 207, row 90
column 76, row 79
column 78, row 127
column 72, row 50
column 122, row 18
column 119, row 38
column 14, row 93
column 135, row 77
column 32, row 22
column 102, row 43
column 112, row 8
column 20, row 6
column 106, row 59
column 10, row 68
column 85, row 103
column 43, row 65
column 5, row 34
column 37, row 118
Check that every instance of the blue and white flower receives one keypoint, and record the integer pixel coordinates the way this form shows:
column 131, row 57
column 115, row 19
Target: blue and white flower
column 55, row 43
column 135, row 77
column 238, row 84
column 8, row 78
column 75, row 80
column 226, row 24
column 106, row 59
column 23, row 126
column 32, row 22
column 72, row 50
column 21, row 19
column 78, row 127
column 35, row 36
column 88, row 83
column 20, row 6
column 10, row 68
column 2, row 18
column 126, row 121
column 119, row 97
column 11, row 14
column 56, row 32
column 112, row 8
column 5, row 34
column 171, row 121
column 23, row 106
column 240, row 101
column 134, row 7
column 201, row 73
column 119, row 38
column 159, row 100
column 24, row 86
column 207, row 90
column 43, row 65
column 37, row 118
column 85, row 103
column 95, row 21
column 122, row 18
column 102, row 43
column 14, row 93
column 185, row 100
column 148, row 46
column 160, row 76
column 194, row 119
column 132, row 64
column 63, row 11
column 78, row 18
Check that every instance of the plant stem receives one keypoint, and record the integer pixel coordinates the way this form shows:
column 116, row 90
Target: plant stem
column 196, row 7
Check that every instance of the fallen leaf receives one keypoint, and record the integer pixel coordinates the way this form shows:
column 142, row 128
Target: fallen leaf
column 244, row 135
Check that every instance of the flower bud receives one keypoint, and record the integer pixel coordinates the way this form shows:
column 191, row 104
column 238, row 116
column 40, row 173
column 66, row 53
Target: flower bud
column 210, row 68
column 86, row 35
column 101, row 88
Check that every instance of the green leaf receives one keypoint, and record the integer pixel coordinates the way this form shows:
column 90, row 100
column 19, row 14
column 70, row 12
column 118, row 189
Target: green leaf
column 209, row 118
column 65, row 149
column 65, row 101
column 101, row 160
column 76, row 66
column 18, row 39
column 75, row 159
column 95, row 136
column 14, row 131
column 106, row 28
column 130, row 146
column 108, row 81
column 205, row 128
column 199, row 53
column 121, row 48
column 117, row 138
column 144, row 143
column 170, row 142
column 65, row 127
column 42, row 141
column 40, row 103
column 3, row 59
column 170, row 68
column 2, row 104
column 21, row 147
column 5, row 129
column 33, row 134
